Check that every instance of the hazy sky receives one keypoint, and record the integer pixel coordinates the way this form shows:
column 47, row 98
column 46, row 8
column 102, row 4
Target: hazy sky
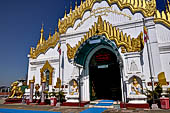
column 20, row 23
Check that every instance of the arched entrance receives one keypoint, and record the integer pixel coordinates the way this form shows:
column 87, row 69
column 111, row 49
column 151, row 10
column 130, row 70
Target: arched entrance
column 104, row 76
column 95, row 71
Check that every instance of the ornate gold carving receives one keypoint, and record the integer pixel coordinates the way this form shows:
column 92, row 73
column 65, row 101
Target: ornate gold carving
column 43, row 45
column 163, row 17
column 48, row 67
column 126, row 43
column 146, row 8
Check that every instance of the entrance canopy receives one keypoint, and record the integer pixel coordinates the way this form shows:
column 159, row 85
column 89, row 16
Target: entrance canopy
column 91, row 43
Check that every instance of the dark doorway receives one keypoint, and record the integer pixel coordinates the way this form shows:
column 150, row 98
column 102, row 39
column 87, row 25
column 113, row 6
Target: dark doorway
column 104, row 73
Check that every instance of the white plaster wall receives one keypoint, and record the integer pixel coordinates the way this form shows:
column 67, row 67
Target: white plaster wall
column 165, row 61
column 163, row 33
column 157, row 33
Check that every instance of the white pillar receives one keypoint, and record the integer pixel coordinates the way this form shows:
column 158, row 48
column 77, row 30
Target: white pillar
column 31, row 91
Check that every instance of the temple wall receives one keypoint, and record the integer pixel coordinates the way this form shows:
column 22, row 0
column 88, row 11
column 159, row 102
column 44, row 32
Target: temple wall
column 134, row 63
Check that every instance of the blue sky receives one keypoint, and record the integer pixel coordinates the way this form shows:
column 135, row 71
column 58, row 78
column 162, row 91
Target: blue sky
column 20, row 22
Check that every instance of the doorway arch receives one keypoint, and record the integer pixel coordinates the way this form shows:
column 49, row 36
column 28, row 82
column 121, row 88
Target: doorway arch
column 84, row 55
column 104, row 76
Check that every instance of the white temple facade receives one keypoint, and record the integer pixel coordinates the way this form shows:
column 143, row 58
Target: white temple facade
column 103, row 50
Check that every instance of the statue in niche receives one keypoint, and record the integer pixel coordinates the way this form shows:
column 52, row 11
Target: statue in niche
column 135, row 87
column 73, row 88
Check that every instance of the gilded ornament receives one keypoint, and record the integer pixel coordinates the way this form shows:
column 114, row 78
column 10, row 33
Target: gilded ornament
column 48, row 67
column 146, row 8
column 104, row 28
column 43, row 45
column 162, row 17
column 15, row 90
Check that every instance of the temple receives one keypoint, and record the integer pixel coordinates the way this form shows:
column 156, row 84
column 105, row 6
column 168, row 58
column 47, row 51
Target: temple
column 104, row 49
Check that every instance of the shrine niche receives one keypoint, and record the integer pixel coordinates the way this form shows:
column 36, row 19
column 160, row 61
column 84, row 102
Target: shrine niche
column 47, row 68
column 73, row 87
column 135, row 86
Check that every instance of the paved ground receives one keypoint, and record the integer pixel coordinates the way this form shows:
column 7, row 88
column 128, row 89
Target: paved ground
column 2, row 100
column 44, row 108
column 75, row 109
column 63, row 109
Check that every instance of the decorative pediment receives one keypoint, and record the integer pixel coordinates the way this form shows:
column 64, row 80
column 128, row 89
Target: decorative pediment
column 43, row 45
column 147, row 8
column 126, row 43
column 48, row 67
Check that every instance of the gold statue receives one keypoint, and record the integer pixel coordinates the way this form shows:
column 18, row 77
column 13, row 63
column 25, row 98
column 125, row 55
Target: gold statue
column 58, row 83
column 37, row 87
column 15, row 90
column 135, row 87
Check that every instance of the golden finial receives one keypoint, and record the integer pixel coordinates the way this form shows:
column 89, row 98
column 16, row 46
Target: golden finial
column 81, row 2
column 168, row 5
column 65, row 15
column 42, row 31
column 76, row 5
column 70, row 8
column 31, row 51
column 49, row 34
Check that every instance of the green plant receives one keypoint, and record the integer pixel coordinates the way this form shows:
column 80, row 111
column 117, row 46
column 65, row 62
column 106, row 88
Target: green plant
column 61, row 97
column 53, row 93
column 156, row 93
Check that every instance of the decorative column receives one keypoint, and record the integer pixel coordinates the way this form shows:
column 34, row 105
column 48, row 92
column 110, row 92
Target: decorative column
column 42, row 93
column 31, row 90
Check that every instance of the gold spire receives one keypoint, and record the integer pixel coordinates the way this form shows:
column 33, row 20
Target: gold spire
column 76, row 5
column 65, row 15
column 49, row 34
column 168, row 5
column 81, row 2
column 70, row 8
column 31, row 51
column 42, row 31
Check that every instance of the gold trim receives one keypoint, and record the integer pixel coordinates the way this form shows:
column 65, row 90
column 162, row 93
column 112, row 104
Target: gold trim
column 47, row 66
column 163, row 17
column 44, row 45
column 126, row 43
column 147, row 8
column 31, row 81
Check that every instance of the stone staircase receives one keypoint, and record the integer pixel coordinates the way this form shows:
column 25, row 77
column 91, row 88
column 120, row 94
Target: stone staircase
column 102, row 104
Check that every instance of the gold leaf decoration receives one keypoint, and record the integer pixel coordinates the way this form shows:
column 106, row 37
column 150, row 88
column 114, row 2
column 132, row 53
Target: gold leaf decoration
column 44, row 46
column 125, row 42
column 48, row 67
column 163, row 17
column 146, row 8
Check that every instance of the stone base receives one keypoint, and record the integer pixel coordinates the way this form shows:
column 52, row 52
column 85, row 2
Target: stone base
column 128, row 105
column 82, row 104
column 72, row 98
column 13, row 100
column 137, row 99
column 42, row 103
